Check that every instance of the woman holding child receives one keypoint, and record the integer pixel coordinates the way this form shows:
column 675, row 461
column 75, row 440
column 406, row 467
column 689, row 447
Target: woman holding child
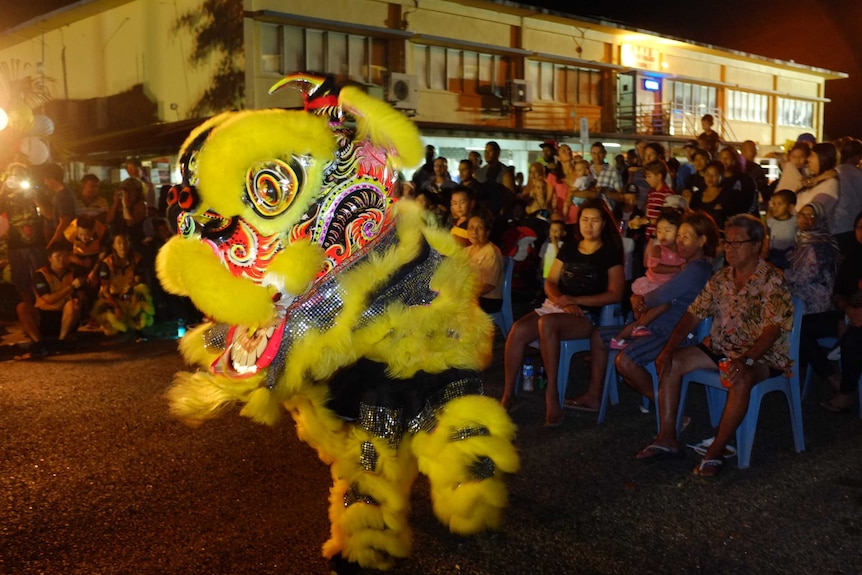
column 696, row 244
column 587, row 274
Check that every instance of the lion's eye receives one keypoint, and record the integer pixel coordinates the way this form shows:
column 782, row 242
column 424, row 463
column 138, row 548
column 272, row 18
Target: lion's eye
column 271, row 186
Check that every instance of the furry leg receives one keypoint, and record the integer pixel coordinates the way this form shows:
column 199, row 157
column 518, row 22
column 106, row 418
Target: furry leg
column 465, row 458
column 370, row 500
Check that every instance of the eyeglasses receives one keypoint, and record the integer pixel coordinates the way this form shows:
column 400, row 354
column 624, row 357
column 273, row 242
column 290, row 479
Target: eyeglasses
column 736, row 245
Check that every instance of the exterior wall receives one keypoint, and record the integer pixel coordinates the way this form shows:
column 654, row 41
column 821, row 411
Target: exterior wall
column 112, row 51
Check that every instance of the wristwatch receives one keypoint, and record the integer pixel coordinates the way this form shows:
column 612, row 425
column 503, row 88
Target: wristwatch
column 748, row 361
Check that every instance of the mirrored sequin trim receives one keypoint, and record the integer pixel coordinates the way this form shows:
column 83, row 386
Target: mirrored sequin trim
column 413, row 289
column 368, row 456
column 353, row 495
column 426, row 420
column 215, row 338
column 381, row 422
column 468, row 432
column 319, row 309
column 483, row 468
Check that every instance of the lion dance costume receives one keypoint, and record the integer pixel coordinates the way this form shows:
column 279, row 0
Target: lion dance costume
column 328, row 297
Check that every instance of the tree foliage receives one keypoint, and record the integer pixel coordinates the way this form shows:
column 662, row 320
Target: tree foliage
column 218, row 29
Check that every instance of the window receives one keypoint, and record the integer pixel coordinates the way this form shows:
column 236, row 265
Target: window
column 797, row 113
column 567, row 84
column 288, row 49
column 459, row 71
column 747, row 107
column 691, row 98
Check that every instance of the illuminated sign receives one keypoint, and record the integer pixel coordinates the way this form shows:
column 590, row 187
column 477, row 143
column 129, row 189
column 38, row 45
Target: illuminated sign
column 636, row 56
column 652, row 85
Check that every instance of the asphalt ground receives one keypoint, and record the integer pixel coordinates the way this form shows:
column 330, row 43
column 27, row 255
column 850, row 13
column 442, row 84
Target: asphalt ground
column 96, row 478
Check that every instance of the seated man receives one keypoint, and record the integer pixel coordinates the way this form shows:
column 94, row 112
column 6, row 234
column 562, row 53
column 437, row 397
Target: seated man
column 752, row 311
column 57, row 309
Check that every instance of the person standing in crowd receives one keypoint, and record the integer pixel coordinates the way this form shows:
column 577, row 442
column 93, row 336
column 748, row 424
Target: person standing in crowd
column 129, row 210
column 537, row 194
column 752, row 310
column 695, row 184
column 793, row 168
column 714, row 196
column 823, row 188
column 782, row 227
column 62, row 200
column 426, row 172
column 742, row 195
column 26, row 241
column 656, row 177
column 549, row 155
column 91, row 203
column 441, row 182
column 755, row 171
column 497, row 179
column 608, row 181
column 850, row 198
column 476, row 158
column 709, row 138
column 687, row 169
column 467, row 177
column 562, row 180
column 135, row 169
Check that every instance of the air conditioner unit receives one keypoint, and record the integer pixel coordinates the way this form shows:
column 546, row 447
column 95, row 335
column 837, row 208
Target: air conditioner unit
column 519, row 93
column 402, row 91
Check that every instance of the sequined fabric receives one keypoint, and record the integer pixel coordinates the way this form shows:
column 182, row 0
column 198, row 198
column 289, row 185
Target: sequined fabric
column 483, row 468
column 215, row 338
column 426, row 420
column 368, row 456
column 382, row 422
column 468, row 432
column 353, row 495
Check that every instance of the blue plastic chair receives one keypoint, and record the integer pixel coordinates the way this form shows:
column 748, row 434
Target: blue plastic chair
column 611, row 315
column 503, row 318
column 717, row 396
column 610, row 389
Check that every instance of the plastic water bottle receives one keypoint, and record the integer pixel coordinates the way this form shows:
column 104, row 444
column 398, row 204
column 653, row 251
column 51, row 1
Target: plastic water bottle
column 527, row 374
column 542, row 381
column 181, row 328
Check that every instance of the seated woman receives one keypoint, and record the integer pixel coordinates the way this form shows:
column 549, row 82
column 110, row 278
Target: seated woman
column 488, row 260
column 811, row 276
column 587, row 274
column 696, row 243
column 848, row 298
column 124, row 302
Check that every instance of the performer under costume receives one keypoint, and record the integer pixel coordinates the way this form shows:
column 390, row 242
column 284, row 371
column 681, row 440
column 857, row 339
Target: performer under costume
column 331, row 299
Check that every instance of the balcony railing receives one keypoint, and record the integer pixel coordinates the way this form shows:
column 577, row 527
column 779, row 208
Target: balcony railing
column 668, row 119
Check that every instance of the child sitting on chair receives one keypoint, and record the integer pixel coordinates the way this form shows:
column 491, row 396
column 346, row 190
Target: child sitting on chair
column 663, row 262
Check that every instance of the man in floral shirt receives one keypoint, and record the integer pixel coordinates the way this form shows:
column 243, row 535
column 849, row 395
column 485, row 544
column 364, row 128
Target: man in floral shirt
column 752, row 311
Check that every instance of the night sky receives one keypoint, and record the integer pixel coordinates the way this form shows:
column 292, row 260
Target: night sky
column 822, row 33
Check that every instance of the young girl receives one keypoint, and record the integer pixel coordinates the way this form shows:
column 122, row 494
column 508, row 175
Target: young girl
column 548, row 251
column 460, row 208
column 663, row 262
column 124, row 302
column 538, row 193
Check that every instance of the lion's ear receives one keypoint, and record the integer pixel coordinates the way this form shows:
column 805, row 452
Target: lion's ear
column 383, row 125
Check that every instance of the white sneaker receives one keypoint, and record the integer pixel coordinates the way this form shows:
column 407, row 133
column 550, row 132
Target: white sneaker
column 834, row 355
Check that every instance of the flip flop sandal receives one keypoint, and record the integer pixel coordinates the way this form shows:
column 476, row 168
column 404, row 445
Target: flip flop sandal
column 700, row 448
column 655, row 451
column 572, row 404
column 708, row 468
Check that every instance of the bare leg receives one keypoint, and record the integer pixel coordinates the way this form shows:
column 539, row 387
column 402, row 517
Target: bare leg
column 635, row 376
column 71, row 313
column 735, row 409
column 683, row 361
column 522, row 333
column 553, row 328
column 29, row 320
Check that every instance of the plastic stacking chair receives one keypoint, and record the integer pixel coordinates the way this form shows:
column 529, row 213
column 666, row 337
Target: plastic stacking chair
column 503, row 318
column 610, row 391
column 611, row 315
column 718, row 396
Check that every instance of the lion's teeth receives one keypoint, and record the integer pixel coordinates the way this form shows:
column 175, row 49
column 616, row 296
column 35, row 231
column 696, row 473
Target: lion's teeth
column 269, row 331
column 261, row 346
column 251, row 357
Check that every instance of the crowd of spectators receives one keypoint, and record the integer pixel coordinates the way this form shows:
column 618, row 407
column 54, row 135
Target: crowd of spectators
column 72, row 261
column 711, row 237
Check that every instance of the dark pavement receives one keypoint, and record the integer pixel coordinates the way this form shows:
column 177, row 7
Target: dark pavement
column 96, row 478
